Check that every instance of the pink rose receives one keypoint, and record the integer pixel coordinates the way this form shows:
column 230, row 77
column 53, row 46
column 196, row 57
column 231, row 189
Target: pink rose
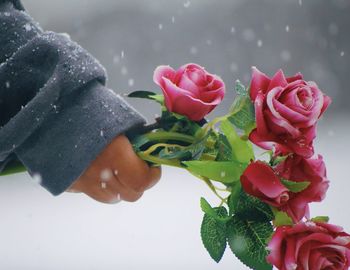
column 287, row 110
column 310, row 246
column 259, row 180
column 299, row 169
column 189, row 91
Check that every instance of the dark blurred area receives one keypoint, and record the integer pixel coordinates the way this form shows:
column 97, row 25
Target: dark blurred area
column 131, row 38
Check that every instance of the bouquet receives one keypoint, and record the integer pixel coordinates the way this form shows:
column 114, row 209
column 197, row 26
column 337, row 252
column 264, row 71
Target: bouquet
column 262, row 212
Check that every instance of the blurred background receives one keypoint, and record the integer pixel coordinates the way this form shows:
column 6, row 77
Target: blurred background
column 130, row 38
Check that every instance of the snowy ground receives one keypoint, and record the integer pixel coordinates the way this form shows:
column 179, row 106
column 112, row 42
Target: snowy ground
column 161, row 231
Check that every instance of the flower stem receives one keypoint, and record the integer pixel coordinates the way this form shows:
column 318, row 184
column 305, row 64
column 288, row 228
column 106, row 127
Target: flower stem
column 164, row 136
column 155, row 146
column 159, row 161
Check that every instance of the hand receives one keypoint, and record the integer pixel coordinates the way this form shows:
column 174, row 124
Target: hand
column 117, row 174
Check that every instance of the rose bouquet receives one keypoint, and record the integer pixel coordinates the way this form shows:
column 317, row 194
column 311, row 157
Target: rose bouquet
column 263, row 211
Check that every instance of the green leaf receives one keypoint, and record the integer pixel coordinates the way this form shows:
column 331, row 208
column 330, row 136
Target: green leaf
column 210, row 211
column 13, row 167
column 139, row 141
column 248, row 241
column 147, row 95
column 282, row 219
column 242, row 151
column 233, row 199
column 178, row 123
column 240, row 89
column 295, row 186
column 252, row 208
column 277, row 160
column 242, row 113
column 222, row 171
column 224, row 149
column 213, row 234
column 192, row 152
column 175, row 153
column 321, row 219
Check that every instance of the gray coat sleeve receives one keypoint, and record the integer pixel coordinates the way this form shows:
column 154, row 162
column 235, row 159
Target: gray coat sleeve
column 56, row 115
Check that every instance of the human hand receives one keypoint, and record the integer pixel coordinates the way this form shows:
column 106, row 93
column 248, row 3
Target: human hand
column 117, row 174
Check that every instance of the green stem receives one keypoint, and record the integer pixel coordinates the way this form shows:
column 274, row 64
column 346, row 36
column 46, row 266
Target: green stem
column 159, row 161
column 164, row 135
column 154, row 147
column 212, row 123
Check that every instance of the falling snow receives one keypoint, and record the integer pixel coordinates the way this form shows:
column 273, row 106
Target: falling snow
column 37, row 179
column 27, row 27
column 285, row 55
column 187, row 4
column 124, row 71
column 193, row 50
column 131, row 82
column 103, row 185
column 106, row 175
column 116, row 59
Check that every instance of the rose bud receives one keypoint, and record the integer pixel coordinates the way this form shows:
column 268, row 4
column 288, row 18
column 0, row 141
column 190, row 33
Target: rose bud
column 287, row 110
column 310, row 246
column 259, row 180
column 189, row 91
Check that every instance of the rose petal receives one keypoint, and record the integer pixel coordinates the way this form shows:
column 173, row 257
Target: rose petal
column 278, row 80
column 194, row 109
column 265, row 180
column 182, row 69
column 259, row 115
column 186, row 83
column 163, row 71
column 296, row 77
column 260, row 82
column 275, row 247
column 275, row 117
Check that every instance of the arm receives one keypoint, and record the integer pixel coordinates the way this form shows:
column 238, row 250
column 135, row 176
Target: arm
column 56, row 115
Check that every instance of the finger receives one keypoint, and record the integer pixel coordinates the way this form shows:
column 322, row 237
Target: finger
column 103, row 195
column 154, row 176
column 132, row 171
column 126, row 194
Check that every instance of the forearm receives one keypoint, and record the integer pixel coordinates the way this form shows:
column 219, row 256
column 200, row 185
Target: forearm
column 56, row 114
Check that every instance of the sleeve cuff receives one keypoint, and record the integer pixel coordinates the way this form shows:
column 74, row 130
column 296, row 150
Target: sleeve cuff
column 69, row 140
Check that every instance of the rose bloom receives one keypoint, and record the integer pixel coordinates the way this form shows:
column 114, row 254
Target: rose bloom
column 310, row 246
column 190, row 90
column 287, row 110
column 299, row 169
column 264, row 182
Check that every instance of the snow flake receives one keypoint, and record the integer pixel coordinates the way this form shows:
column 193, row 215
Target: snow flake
column 187, row 4
column 131, row 82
